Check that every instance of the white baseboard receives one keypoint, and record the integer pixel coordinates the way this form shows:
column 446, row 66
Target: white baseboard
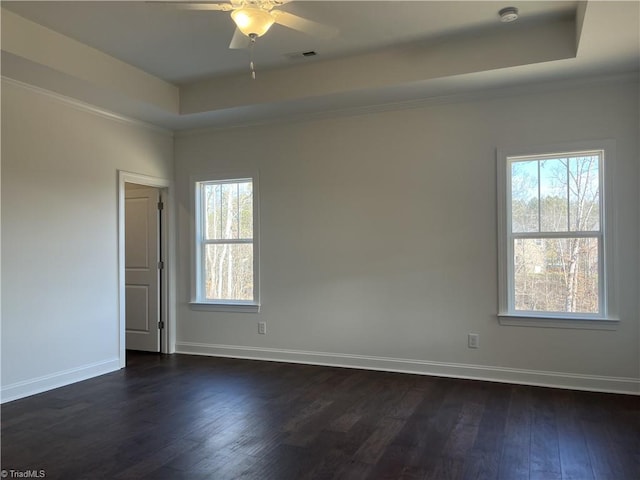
column 593, row 383
column 33, row 386
column 570, row 381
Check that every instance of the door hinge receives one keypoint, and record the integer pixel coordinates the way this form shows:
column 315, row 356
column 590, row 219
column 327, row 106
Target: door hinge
column 161, row 325
column 160, row 265
column 160, row 205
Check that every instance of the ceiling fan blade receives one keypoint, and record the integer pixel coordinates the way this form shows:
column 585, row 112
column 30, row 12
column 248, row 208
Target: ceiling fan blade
column 239, row 40
column 225, row 7
column 303, row 25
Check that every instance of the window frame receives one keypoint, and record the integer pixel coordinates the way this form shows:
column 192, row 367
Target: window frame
column 606, row 318
column 198, row 302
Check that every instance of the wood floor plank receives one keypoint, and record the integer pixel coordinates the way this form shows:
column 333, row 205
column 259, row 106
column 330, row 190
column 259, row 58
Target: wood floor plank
column 464, row 432
column 393, row 463
column 574, row 453
column 544, row 448
column 446, row 467
column 373, row 447
column 189, row 417
column 515, row 459
column 484, row 457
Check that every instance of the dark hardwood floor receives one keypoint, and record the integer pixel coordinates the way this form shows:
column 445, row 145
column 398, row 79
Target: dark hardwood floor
column 189, row 417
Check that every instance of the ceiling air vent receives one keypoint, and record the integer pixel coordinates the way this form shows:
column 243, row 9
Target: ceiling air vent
column 301, row 55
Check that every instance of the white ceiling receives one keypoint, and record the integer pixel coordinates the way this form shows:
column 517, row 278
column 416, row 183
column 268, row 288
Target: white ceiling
column 181, row 46
column 386, row 51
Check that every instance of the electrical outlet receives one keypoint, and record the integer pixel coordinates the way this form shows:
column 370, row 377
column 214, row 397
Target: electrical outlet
column 262, row 328
column 474, row 340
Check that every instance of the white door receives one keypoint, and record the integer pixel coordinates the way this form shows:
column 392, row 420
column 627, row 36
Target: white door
column 142, row 268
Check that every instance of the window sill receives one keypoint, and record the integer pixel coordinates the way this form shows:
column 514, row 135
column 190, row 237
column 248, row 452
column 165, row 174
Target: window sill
column 579, row 323
column 225, row 307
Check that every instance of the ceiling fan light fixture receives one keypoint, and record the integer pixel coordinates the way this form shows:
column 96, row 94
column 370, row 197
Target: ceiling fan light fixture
column 252, row 21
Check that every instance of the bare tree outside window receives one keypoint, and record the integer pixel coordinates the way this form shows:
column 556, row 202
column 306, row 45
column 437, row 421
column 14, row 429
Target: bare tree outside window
column 556, row 233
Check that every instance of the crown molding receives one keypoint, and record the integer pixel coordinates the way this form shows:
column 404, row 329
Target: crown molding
column 85, row 107
column 471, row 95
column 353, row 111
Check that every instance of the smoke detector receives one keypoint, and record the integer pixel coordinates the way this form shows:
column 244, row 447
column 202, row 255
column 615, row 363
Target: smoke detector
column 508, row 14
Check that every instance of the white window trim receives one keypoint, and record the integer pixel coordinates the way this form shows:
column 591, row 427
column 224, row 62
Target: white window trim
column 197, row 303
column 608, row 318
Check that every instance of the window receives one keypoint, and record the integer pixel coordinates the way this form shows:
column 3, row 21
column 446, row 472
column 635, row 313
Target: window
column 226, row 250
column 554, row 240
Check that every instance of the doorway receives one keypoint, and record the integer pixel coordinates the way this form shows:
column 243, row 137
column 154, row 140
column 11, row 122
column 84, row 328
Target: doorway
column 143, row 264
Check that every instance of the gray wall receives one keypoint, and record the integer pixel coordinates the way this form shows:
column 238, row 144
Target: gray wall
column 379, row 243
column 59, row 235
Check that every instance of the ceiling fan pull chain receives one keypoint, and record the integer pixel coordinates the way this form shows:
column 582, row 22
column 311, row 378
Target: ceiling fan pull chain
column 251, row 67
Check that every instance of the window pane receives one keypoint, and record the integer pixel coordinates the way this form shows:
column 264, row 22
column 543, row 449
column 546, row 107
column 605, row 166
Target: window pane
column 556, row 275
column 584, row 193
column 524, row 196
column 246, row 209
column 553, row 195
column 228, row 210
column 211, row 210
column 228, row 272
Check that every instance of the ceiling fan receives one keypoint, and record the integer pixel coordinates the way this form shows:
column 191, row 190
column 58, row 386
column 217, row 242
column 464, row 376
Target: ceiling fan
column 253, row 18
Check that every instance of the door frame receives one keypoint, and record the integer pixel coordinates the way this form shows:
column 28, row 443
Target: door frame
column 167, row 237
